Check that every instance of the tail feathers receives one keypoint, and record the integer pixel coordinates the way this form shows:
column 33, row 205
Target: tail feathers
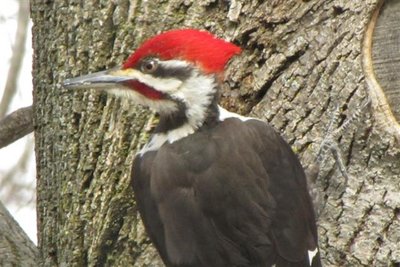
column 316, row 262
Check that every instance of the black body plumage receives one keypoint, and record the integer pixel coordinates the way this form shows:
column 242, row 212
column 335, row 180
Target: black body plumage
column 233, row 194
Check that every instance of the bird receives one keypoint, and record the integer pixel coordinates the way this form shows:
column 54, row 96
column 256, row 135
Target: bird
column 213, row 188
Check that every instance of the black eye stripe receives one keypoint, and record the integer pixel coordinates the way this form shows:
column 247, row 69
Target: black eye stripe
column 181, row 73
column 165, row 71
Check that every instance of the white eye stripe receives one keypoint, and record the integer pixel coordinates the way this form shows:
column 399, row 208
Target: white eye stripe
column 174, row 63
column 165, row 85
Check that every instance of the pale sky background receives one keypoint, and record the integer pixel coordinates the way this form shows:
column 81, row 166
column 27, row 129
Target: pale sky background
column 24, row 213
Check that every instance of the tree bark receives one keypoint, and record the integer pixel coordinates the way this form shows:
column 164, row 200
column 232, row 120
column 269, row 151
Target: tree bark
column 301, row 69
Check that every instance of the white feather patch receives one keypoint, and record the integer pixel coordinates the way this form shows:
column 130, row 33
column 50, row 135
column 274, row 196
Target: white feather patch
column 311, row 254
column 163, row 106
column 224, row 114
column 157, row 140
column 196, row 93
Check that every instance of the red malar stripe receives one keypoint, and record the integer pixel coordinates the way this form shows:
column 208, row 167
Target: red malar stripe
column 145, row 90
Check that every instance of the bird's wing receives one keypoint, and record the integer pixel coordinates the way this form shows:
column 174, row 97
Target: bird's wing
column 233, row 194
column 146, row 204
column 294, row 229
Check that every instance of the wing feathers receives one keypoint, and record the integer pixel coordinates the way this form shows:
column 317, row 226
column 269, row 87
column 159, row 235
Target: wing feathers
column 232, row 196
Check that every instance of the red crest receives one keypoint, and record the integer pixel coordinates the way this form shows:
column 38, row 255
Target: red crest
column 199, row 47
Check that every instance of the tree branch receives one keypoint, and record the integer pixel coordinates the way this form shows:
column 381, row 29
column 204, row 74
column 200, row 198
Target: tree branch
column 16, row 125
column 16, row 249
column 16, row 58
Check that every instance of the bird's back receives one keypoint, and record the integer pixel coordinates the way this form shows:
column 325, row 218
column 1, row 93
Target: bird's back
column 230, row 195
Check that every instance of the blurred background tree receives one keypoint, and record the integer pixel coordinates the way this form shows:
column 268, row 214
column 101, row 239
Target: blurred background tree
column 17, row 164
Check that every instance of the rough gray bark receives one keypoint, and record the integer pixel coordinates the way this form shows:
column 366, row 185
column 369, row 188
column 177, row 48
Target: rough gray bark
column 16, row 249
column 301, row 70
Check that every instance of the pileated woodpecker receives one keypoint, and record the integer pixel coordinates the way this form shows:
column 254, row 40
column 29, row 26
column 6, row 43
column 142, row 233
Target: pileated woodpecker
column 213, row 188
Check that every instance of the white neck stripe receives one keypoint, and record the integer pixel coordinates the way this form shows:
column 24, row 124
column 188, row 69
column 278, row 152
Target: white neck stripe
column 224, row 114
column 157, row 140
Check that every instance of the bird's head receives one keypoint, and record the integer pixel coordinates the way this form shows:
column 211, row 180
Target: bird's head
column 177, row 69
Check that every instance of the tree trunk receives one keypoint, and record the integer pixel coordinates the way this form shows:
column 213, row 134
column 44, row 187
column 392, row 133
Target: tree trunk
column 301, row 69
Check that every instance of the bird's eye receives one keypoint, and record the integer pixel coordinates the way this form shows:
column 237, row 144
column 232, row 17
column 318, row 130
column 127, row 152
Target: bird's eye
column 149, row 66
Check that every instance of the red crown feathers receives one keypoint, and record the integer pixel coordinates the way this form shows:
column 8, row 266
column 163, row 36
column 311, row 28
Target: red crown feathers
column 199, row 47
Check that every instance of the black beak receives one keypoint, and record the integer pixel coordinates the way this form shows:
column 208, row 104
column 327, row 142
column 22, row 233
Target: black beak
column 98, row 80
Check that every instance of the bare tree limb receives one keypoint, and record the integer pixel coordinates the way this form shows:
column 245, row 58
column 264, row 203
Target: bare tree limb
column 16, row 58
column 16, row 125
